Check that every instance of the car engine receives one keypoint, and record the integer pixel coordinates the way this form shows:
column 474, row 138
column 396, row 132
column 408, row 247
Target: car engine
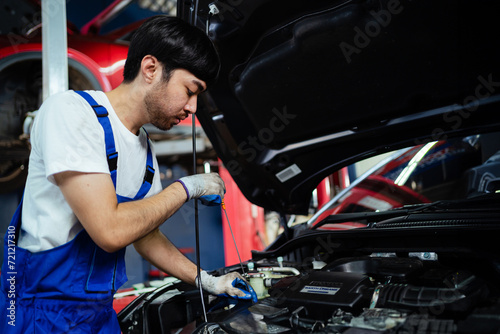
column 414, row 292
column 380, row 293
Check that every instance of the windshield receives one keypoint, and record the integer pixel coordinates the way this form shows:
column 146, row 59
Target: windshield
column 451, row 169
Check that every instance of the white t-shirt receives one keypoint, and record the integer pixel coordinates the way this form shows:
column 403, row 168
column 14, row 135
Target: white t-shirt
column 67, row 136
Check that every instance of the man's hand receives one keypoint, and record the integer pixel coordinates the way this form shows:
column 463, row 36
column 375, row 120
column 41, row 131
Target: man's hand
column 230, row 285
column 203, row 184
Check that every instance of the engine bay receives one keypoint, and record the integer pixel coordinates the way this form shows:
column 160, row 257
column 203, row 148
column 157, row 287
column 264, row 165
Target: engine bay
column 380, row 293
column 438, row 275
column 414, row 292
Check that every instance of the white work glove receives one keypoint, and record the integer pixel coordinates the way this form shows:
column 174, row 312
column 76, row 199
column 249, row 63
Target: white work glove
column 230, row 285
column 203, row 184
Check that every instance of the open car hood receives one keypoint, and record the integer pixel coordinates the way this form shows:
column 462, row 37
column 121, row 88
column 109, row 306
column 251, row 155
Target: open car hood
column 306, row 88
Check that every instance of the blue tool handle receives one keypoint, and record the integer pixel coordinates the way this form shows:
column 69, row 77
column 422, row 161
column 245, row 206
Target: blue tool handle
column 211, row 200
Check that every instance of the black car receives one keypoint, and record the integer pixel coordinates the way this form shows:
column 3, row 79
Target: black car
column 307, row 88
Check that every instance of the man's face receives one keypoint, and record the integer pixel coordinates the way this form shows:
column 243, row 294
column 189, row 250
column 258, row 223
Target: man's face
column 168, row 103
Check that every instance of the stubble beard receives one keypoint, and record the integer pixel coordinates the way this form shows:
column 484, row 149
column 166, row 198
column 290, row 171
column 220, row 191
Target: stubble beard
column 154, row 111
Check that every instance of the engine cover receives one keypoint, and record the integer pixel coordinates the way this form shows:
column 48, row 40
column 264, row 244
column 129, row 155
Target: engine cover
column 323, row 292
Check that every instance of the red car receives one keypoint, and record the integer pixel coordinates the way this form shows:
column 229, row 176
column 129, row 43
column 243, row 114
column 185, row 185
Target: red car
column 94, row 62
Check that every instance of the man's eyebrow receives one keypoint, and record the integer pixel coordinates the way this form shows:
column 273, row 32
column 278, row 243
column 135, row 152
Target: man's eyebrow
column 200, row 86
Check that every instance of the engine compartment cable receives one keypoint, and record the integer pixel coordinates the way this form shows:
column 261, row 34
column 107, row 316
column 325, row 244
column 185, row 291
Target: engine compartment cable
column 232, row 235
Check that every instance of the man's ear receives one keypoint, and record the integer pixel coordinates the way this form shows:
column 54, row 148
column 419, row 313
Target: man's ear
column 150, row 68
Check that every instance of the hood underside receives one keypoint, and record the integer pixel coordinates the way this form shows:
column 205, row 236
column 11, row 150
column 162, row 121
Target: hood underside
column 306, row 88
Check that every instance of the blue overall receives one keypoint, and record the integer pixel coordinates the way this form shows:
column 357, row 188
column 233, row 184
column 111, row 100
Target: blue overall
column 67, row 289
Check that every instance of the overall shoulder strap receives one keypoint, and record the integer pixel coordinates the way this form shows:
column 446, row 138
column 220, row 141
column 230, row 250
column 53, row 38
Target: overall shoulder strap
column 102, row 117
column 148, row 174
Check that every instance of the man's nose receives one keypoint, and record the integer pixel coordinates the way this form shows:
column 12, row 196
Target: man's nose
column 190, row 107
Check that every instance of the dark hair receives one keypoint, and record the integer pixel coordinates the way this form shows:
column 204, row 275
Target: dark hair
column 176, row 44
